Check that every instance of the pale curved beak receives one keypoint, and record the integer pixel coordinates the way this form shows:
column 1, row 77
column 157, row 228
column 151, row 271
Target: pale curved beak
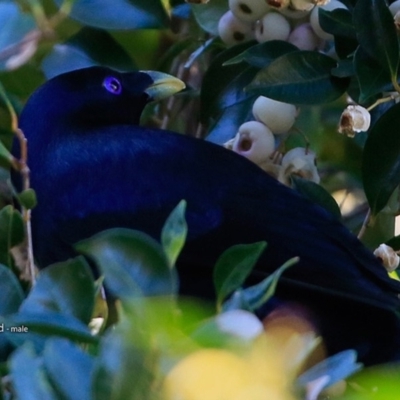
column 164, row 85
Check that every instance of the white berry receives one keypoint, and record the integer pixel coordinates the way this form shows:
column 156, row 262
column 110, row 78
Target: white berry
column 278, row 116
column 304, row 37
column 273, row 26
column 248, row 10
column 254, row 141
column 233, row 31
column 354, row 119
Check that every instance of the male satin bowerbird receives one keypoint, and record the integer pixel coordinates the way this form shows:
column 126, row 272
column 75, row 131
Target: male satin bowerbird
column 93, row 168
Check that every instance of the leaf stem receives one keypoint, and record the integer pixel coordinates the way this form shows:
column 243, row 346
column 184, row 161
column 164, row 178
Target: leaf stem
column 365, row 224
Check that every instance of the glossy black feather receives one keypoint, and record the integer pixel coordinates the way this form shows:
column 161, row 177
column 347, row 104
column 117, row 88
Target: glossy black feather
column 94, row 168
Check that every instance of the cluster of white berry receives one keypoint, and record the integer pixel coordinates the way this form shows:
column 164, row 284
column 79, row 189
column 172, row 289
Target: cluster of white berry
column 256, row 141
column 295, row 21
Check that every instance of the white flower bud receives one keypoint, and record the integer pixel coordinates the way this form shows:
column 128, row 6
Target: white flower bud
column 314, row 18
column 278, row 116
column 273, row 26
column 301, row 162
column 354, row 119
column 304, row 37
column 388, row 256
column 240, row 323
column 233, row 31
column 254, row 141
column 248, row 10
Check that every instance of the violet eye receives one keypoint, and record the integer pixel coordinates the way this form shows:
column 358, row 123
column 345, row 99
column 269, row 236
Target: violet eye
column 113, row 85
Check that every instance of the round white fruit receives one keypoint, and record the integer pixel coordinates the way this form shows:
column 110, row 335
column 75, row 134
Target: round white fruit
column 233, row 31
column 248, row 10
column 304, row 37
column 273, row 26
column 278, row 116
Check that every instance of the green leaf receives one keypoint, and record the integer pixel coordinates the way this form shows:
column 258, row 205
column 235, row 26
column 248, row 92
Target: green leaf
column 133, row 263
column 381, row 160
column 317, row 194
column 217, row 78
column 49, row 323
column 372, row 79
column 28, row 199
column 376, row 33
column 66, row 287
column 119, row 14
column 255, row 296
column 6, row 157
column 300, row 77
column 14, row 26
column 11, row 232
column 208, row 15
column 174, row 232
column 11, row 293
column 338, row 22
column 234, row 266
column 335, row 368
column 69, row 369
column 85, row 49
column 261, row 55
column 28, row 376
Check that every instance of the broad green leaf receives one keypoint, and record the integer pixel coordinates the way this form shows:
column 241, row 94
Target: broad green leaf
column 229, row 121
column 299, row 77
column 372, row 78
column 49, row 323
column 86, row 49
column 132, row 262
column 14, row 26
column 344, row 69
column 28, row 376
column 394, row 242
column 376, row 33
column 338, row 22
column 11, row 293
column 381, row 160
column 174, row 232
column 255, row 296
column 124, row 368
column 317, row 194
column 119, row 14
column 208, row 15
column 217, row 78
column 6, row 157
column 261, row 55
column 66, row 287
column 11, row 232
column 27, row 199
column 69, row 368
column 335, row 368
column 234, row 266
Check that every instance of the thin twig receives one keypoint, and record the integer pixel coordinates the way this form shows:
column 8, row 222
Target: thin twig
column 364, row 225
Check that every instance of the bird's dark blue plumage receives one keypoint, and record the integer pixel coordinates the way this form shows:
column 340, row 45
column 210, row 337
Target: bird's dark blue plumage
column 93, row 167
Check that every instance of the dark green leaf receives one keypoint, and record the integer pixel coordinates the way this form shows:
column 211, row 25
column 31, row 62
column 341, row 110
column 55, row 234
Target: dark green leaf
column 85, row 49
column 14, row 26
column 372, row 78
column 28, row 199
column 11, row 294
column 335, row 368
column 299, row 77
column 261, row 55
column 68, row 368
column 376, row 33
column 381, row 160
column 234, row 266
column 344, row 69
column 6, row 157
column 217, row 78
column 28, row 376
column 49, row 323
column 119, row 14
column 174, row 232
column 228, row 123
column 338, row 22
column 394, row 242
column 133, row 263
column 317, row 194
column 11, row 232
column 255, row 296
column 66, row 287
column 208, row 15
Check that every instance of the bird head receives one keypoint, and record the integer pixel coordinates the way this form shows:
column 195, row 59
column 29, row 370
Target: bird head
column 99, row 96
